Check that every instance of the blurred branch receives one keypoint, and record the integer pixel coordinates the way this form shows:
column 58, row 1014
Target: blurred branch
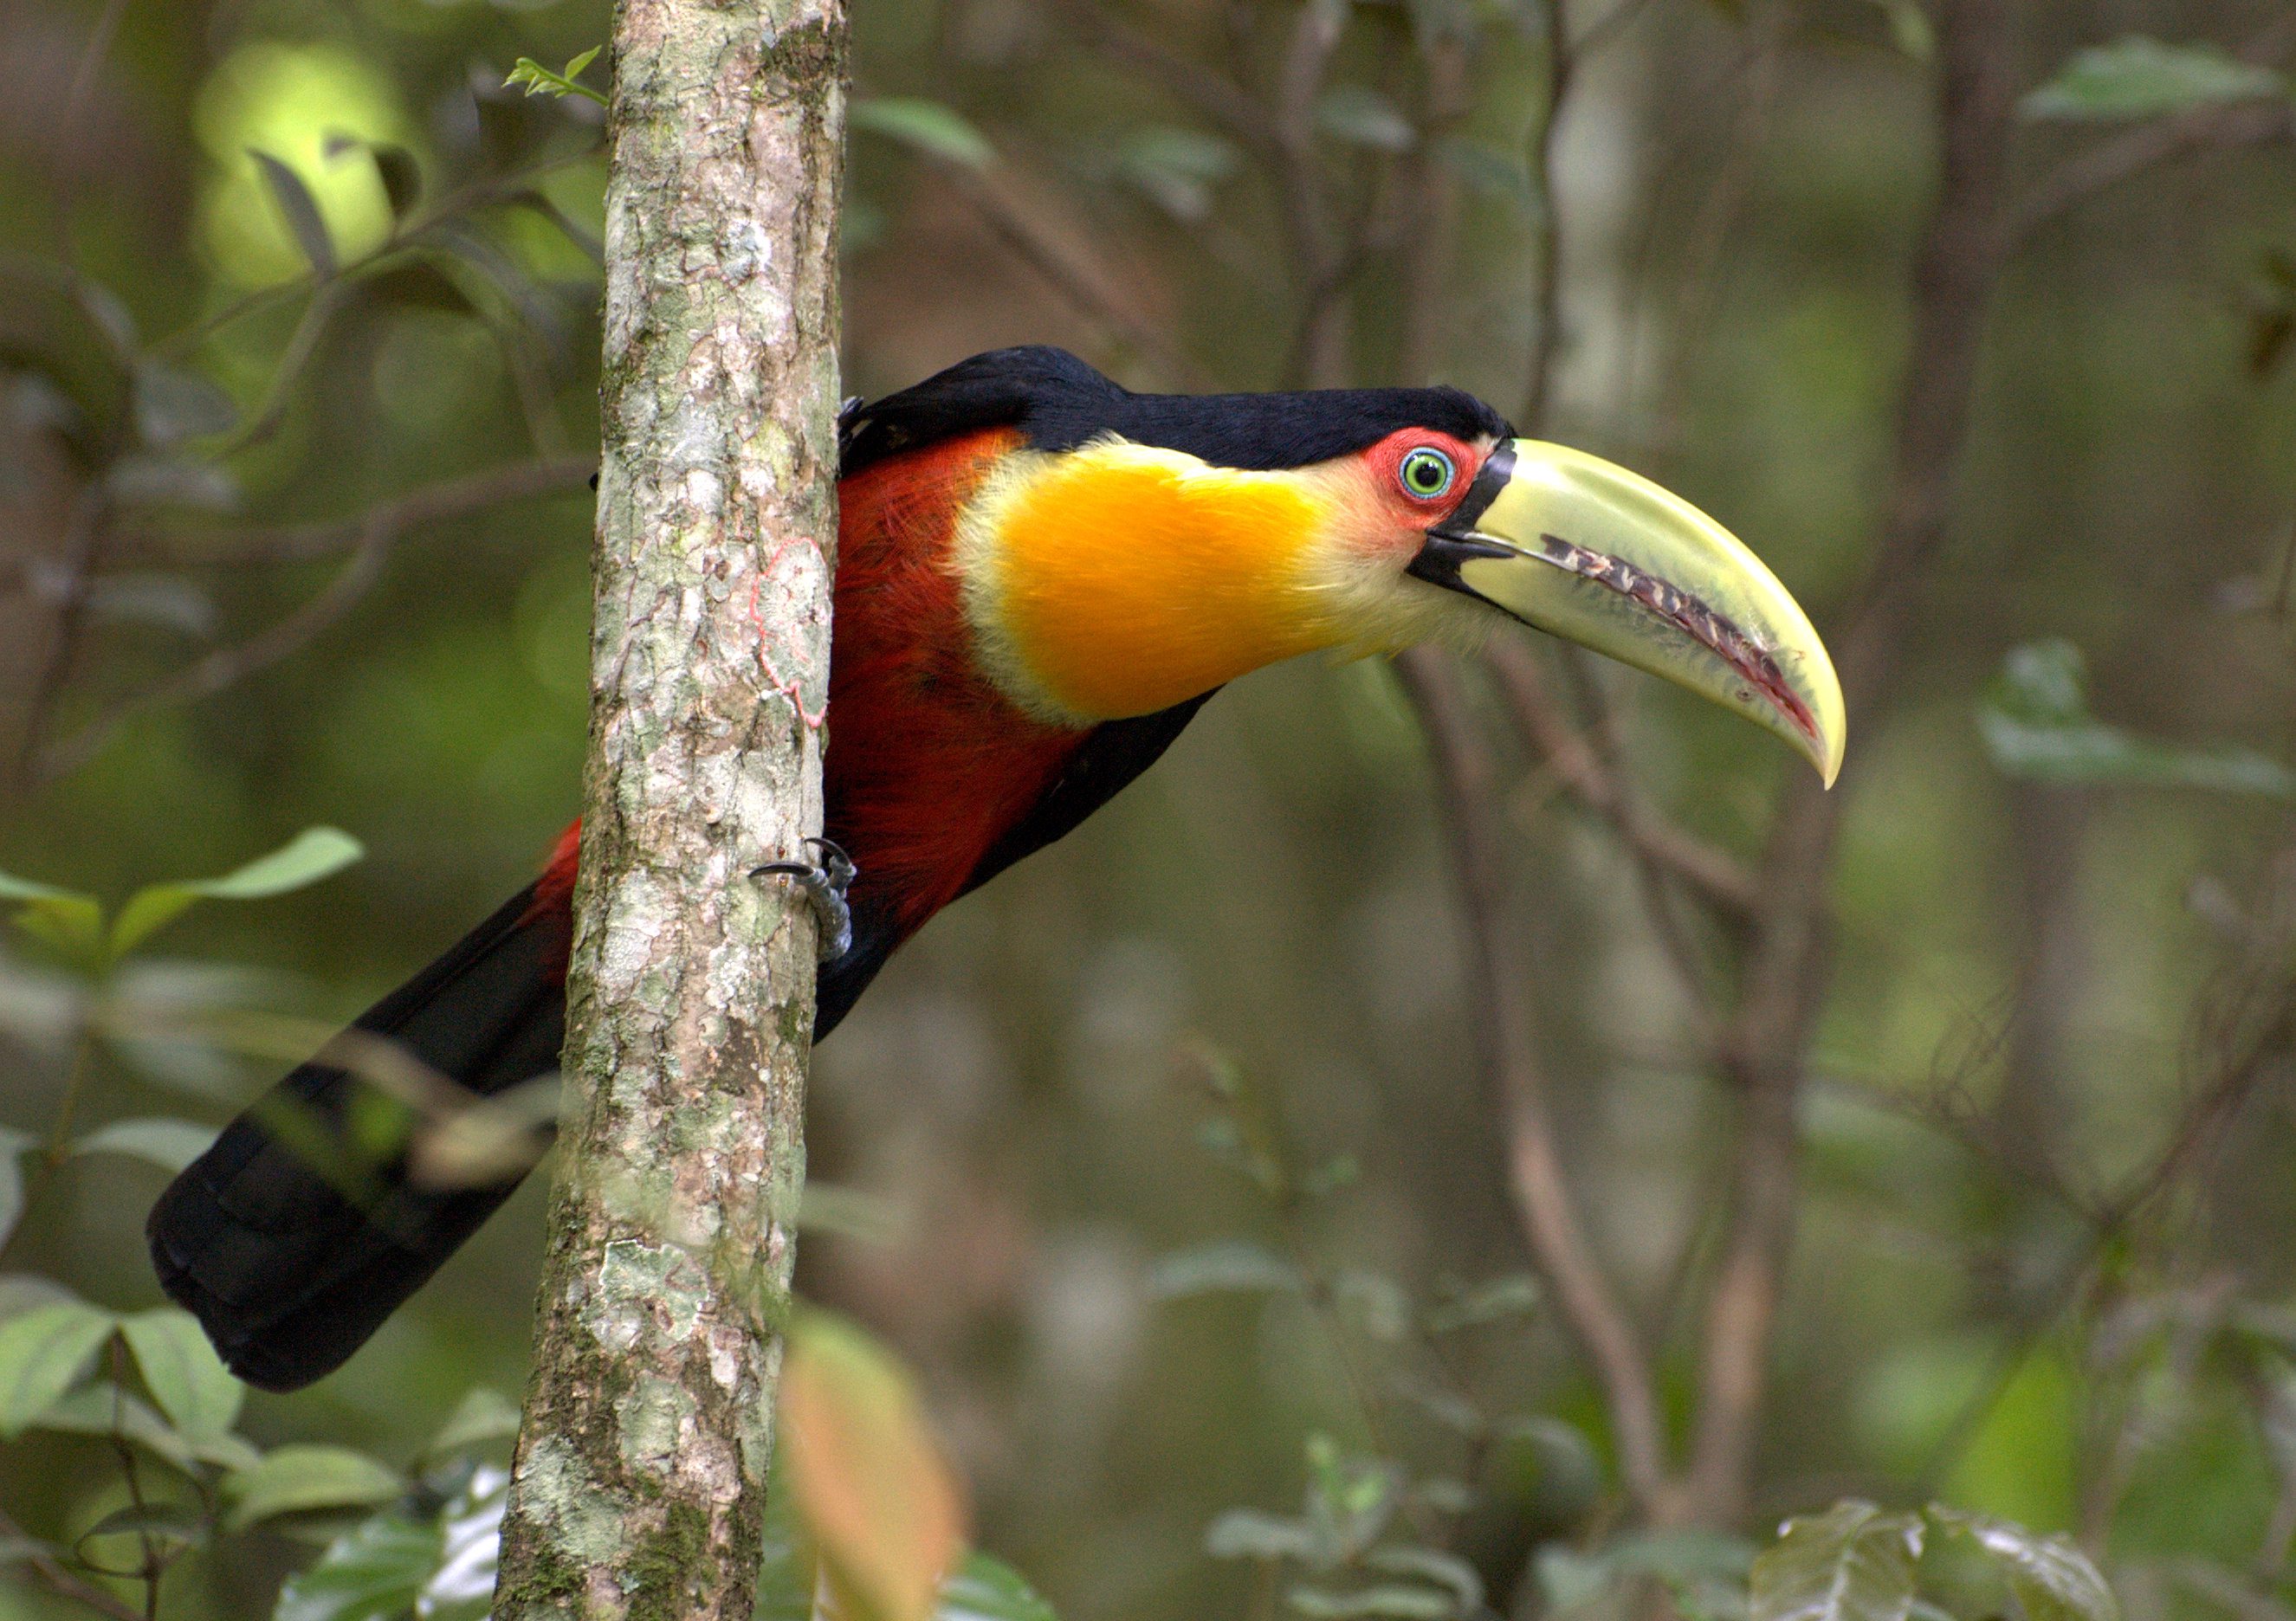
column 1466, row 783
column 1216, row 97
column 75, row 568
column 1326, row 263
column 1546, row 228
column 2164, row 141
column 450, row 498
column 1085, row 284
column 1783, row 982
column 1715, row 875
column 1432, row 235
column 1699, row 289
column 370, row 537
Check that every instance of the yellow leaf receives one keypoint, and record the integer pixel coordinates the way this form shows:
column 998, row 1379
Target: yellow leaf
column 879, row 1502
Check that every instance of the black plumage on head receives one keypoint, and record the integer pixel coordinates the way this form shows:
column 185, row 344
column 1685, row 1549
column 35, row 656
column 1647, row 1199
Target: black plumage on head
column 1058, row 402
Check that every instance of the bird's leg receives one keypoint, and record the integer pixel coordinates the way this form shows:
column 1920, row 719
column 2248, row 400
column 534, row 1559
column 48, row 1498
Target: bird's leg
column 824, row 883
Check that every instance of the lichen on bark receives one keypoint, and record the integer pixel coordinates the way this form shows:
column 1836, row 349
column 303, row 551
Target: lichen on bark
column 639, row 1482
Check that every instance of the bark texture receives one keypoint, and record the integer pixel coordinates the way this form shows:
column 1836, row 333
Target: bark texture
column 639, row 1483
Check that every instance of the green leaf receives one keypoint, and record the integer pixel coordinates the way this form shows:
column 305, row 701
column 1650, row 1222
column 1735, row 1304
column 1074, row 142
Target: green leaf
column 375, row 1572
column 171, row 1527
column 2035, row 725
column 170, row 1144
column 301, row 209
column 1362, row 117
column 1225, row 1266
column 101, row 1408
column 1851, row 1563
column 42, row 1352
column 1910, row 30
column 182, row 1373
column 1249, row 1533
column 484, row 1415
column 931, row 127
column 2141, row 78
column 1403, row 1603
column 1177, row 170
column 1434, row 1565
column 1376, row 1303
column 314, row 853
column 988, row 1589
column 1516, row 1295
column 295, row 1478
column 2052, row 1579
column 65, row 918
column 539, row 81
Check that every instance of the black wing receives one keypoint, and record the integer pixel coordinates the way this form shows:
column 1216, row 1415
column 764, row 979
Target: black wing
column 1105, row 763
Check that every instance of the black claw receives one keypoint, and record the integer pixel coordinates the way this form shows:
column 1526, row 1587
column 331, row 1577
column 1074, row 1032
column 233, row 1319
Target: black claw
column 824, row 883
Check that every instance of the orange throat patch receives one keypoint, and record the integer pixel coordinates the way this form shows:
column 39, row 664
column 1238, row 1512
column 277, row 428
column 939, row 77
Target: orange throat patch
column 1118, row 580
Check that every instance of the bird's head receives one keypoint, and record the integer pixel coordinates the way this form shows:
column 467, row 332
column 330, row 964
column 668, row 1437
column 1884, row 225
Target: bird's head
column 1134, row 551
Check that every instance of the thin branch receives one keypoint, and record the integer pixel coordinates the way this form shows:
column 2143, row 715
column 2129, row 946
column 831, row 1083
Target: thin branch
column 1698, row 290
column 1466, row 783
column 1716, row 876
column 1433, row 230
column 438, row 502
column 1546, row 229
column 372, row 537
column 1214, row 94
column 83, row 543
column 1785, row 980
column 1074, row 275
column 1326, row 263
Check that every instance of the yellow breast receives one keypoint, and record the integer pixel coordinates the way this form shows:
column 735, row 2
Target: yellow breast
column 1118, row 580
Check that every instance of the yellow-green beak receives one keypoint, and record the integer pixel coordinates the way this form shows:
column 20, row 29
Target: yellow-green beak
column 1587, row 551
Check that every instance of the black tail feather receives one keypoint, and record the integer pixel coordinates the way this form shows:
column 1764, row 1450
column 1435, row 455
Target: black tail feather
column 292, row 1255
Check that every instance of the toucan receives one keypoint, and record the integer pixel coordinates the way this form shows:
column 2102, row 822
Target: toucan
column 1041, row 577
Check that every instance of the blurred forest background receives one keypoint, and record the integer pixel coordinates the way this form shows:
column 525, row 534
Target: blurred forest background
column 1932, row 1139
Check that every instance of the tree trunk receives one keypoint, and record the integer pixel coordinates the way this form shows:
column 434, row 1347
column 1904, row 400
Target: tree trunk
column 639, row 1483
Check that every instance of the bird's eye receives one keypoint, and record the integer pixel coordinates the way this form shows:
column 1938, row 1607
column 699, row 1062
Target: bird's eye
column 1427, row 473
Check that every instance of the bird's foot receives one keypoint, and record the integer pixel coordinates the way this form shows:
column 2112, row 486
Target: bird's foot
column 824, row 884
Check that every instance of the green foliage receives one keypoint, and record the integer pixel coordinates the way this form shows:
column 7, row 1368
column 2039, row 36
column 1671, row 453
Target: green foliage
column 183, row 1374
column 301, row 212
column 299, row 1477
column 43, row 1352
column 538, row 80
column 929, row 126
column 2036, row 725
column 73, row 924
column 1851, row 1563
column 2140, row 77
column 2052, row 1579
